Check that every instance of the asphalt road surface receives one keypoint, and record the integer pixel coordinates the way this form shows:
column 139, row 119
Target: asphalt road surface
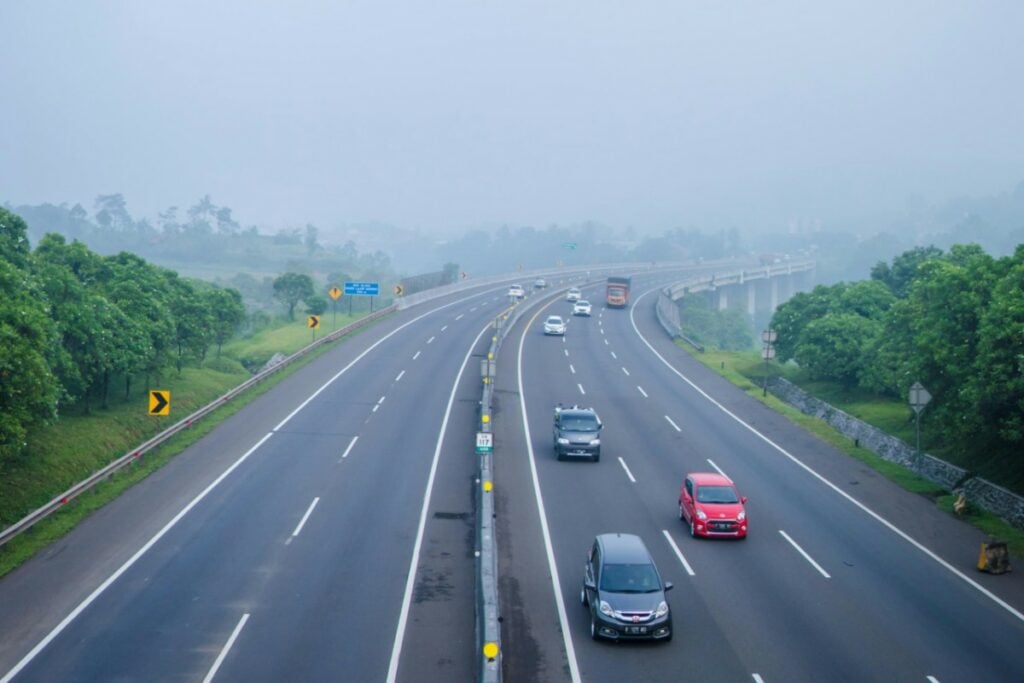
column 844, row 577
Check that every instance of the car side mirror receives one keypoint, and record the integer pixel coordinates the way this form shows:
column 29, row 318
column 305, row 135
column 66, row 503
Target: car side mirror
column 590, row 585
column 743, row 499
column 668, row 586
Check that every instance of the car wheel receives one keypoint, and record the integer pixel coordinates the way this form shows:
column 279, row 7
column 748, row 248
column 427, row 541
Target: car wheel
column 597, row 457
column 583, row 596
column 668, row 638
column 681, row 515
column 693, row 529
column 560, row 456
column 593, row 628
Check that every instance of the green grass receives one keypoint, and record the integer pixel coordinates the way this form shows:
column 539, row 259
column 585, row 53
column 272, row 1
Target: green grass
column 78, row 445
column 746, row 371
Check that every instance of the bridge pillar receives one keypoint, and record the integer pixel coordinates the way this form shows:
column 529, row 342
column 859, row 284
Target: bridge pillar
column 751, row 298
column 723, row 298
column 774, row 293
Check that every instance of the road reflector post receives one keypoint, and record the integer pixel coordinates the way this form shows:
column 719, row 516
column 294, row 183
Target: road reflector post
column 994, row 557
column 491, row 651
column 488, row 486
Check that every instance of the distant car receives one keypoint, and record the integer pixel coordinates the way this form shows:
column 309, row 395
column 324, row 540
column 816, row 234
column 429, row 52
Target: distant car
column 540, row 283
column 516, row 292
column 577, row 433
column 573, row 294
column 712, row 506
column 624, row 591
column 581, row 307
column 554, row 325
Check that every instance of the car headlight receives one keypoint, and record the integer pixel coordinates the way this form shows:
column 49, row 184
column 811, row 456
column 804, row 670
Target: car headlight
column 662, row 609
column 606, row 609
column 701, row 515
column 595, row 442
column 742, row 516
column 563, row 442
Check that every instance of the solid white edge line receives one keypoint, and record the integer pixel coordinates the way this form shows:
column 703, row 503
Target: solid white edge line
column 410, row 582
column 400, row 375
column 804, row 553
column 641, row 390
column 350, row 445
column 227, row 648
column 127, row 565
column 570, row 651
column 674, row 425
column 626, row 467
column 792, row 458
column 718, row 469
column 302, row 522
column 678, row 552
column 581, row 389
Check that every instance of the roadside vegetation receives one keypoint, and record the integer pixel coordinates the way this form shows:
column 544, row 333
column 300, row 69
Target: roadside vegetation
column 951, row 321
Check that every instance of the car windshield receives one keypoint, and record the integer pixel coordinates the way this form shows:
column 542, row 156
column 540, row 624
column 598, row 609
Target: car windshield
column 716, row 494
column 630, row 578
column 554, row 321
column 583, row 303
column 579, row 424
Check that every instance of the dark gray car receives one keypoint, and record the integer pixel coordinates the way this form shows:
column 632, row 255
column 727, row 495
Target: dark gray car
column 577, row 433
column 624, row 591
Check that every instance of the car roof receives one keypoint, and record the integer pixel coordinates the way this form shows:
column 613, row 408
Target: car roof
column 624, row 549
column 709, row 479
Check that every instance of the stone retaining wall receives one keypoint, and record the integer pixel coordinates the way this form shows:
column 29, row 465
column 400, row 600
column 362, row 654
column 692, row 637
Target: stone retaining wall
column 982, row 493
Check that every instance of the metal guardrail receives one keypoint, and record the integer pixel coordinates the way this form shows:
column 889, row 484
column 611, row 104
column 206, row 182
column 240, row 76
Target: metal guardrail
column 131, row 456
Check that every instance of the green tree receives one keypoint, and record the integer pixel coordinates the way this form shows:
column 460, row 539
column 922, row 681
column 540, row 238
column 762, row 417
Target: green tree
column 832, row 346
column 29, row 391
column 291, row 288
column 228, row 313
column 316, row 305
column 903, row 270
column 14, row 246
column 790, row 319
column 193, row 321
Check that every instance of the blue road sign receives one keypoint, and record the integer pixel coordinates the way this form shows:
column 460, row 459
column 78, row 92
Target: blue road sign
column 362, row 289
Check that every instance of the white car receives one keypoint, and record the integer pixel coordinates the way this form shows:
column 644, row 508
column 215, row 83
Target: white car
column 581, row 307
column 573, row 294
column 554, row 325
column 516, row 292
column 540, row 283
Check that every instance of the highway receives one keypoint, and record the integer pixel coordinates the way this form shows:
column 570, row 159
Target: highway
column 325, row 531
column 280, row 546
column 844, row 577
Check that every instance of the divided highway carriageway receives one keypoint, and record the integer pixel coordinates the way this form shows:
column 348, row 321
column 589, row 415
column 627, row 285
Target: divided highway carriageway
column 326, row 530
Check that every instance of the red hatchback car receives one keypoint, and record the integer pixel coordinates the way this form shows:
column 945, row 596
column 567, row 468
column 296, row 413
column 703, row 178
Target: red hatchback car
column 712, row 506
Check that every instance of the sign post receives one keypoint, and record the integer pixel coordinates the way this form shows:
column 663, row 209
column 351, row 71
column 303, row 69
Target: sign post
column 919, row 398
column 768, row 353
column 370, row 289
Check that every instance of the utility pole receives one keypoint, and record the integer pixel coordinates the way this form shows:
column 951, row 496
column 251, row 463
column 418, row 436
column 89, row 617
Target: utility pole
column 768, row 353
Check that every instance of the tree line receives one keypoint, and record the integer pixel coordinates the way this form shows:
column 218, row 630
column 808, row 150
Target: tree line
column 951, row 320
column 76, row 326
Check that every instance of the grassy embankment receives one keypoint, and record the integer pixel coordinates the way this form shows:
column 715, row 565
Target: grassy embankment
column 746, row 370
column 77, row 445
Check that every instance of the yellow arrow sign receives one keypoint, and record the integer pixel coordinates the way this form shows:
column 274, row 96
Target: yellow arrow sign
column 159, row 402
column 334, row 293
column 399, row 290
column 313, row 322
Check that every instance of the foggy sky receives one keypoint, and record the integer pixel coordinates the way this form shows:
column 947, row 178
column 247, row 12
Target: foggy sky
column 447, row 114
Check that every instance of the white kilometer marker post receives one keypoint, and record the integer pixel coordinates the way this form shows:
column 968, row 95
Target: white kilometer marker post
column 302, row 522
column 679, row 554
column 806, row 556
column 674, row 425
column 628, row 473
column 641, row 390
column 227, row 648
